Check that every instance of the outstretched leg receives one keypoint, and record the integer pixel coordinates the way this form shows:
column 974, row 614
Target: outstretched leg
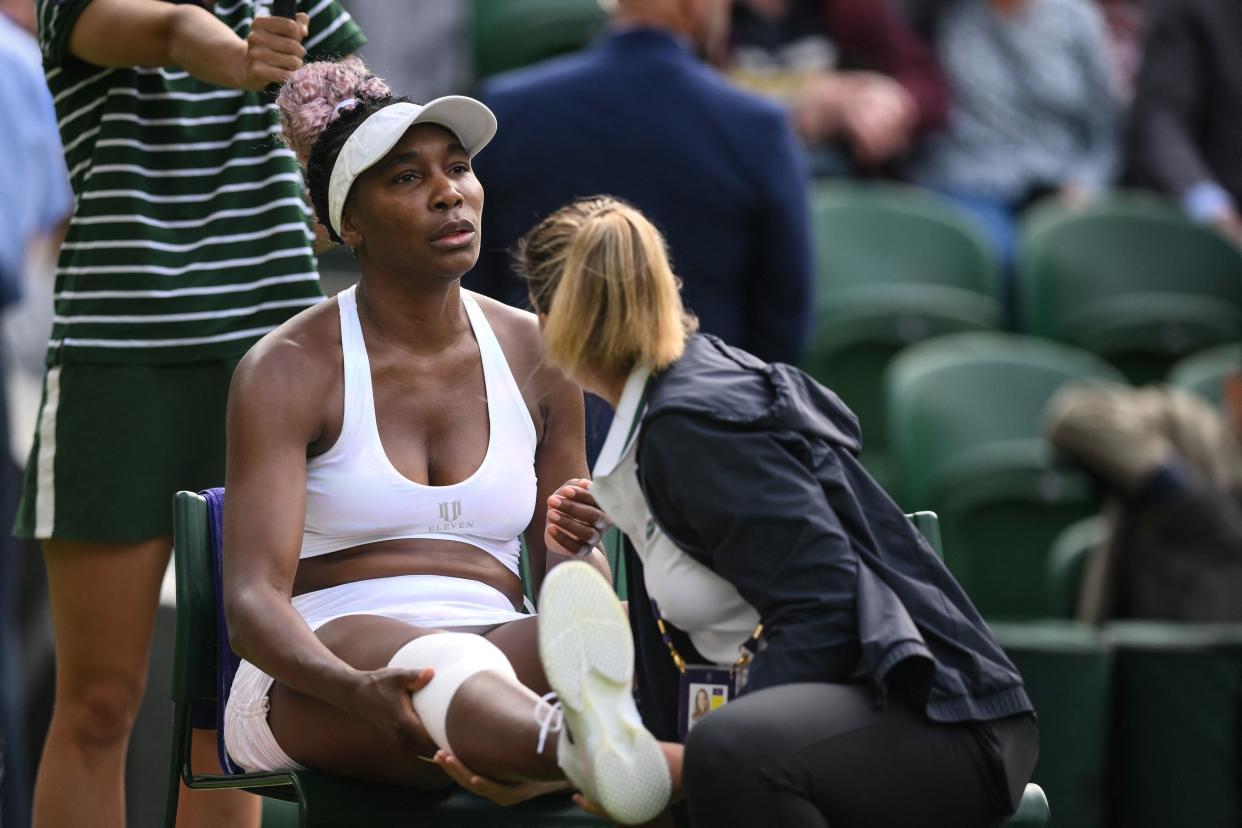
column 490, row 720
column 487, row 717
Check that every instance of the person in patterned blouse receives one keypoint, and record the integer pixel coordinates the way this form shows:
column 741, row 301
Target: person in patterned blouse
column 1034, row 110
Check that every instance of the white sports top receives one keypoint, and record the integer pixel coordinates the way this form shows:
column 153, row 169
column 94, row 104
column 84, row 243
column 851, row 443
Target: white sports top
column 692, row 597
column 354, row 495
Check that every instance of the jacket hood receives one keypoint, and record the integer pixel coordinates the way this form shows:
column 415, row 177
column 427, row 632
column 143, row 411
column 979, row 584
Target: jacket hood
column 730, row 386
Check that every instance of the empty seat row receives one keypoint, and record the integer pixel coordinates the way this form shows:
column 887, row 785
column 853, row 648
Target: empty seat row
column 1140, row 723
column 1127, row 278
column 964, row 426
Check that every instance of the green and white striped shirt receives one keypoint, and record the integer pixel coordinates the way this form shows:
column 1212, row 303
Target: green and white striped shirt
column 190, row 236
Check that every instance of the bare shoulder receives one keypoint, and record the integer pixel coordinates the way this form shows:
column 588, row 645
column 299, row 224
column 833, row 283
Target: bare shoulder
column 506, row 319
column 298, row 362
column 518, row 333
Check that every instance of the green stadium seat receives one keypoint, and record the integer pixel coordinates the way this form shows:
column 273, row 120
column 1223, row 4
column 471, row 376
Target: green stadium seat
column 1033, row 810
column 928, row 524
column 1130, row 279
column 894, row 266
column 508, row 34
column 613, row 553
column 1204, row 372
column 964, row 427
column 1068, row 670
column 1177, row 737
column 321, row 799
column 1068, row 561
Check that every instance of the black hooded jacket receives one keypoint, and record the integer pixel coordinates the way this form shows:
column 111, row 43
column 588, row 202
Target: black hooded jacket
column 752, row 469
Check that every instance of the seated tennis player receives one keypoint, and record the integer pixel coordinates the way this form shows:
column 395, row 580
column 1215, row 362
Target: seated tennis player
column 387, row 449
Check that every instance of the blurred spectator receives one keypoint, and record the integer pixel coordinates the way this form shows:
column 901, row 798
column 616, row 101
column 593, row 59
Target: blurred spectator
column 1033, row 109
column 921, row 15
column 1124, row 19
column 34, row 201
column 424, row 50
column 853, row 75
column 1125, row 28
column 189, row 240
column 1187, row 117
column 1172, row 467
column 640, row 117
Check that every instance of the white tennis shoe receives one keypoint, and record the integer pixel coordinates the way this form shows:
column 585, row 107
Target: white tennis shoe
column 588, row 657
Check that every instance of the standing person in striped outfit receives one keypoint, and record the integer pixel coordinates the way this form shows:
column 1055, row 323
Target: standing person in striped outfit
column 188, row 242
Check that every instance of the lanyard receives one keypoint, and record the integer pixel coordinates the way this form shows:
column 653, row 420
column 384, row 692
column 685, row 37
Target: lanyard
column 746, row 652
column 639, row 411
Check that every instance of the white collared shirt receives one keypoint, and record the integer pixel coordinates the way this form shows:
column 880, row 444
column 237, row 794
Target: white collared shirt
column 691, row 597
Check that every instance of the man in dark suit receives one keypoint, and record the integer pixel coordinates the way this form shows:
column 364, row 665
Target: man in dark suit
column 639, row 116
column 1187, row 115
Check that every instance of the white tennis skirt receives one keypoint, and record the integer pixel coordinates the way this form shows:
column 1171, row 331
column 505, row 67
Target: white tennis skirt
column 429, row 601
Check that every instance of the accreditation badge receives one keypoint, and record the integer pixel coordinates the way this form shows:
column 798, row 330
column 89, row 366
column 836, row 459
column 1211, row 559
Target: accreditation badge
column 703, row 689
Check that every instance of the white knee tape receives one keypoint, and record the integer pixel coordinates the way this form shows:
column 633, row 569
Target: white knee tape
column 455, row 658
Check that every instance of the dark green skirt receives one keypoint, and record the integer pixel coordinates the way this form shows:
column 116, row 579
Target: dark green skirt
column 114, row 443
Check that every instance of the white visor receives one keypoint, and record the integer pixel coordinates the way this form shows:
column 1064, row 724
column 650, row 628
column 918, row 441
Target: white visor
column 472, row 123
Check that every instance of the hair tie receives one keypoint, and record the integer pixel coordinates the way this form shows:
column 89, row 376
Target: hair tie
column 350, row 102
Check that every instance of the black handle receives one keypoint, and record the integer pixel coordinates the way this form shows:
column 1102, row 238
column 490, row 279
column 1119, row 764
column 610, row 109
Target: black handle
column 280, row 8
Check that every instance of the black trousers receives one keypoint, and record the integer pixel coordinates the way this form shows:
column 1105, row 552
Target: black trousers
column 824, row 756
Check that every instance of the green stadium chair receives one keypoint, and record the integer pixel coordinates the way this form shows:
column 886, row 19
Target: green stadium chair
column 1204, row 372
column 321, row 799
column 613, row 553
column 894, row 266
column 1068, row 671
column 1177, row 736
column 1033, row 810
column 964, row 427
column 1129, row 279
column 1068, row 561
column 928, row 525
column 508, row 34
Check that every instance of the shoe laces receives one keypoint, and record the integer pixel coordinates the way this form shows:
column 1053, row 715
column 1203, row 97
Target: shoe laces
column 550, row 716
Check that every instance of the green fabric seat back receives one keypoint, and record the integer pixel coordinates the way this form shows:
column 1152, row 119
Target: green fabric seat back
column 1204, row 372
column 1176, row 742
column 894, row 266
column 1067, row 669
column 887, row 235
column 964, row 425
column 1130, row 279
column 509, row 34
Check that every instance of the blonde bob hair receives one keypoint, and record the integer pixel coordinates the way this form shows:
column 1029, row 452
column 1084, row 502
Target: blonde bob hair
column 599, row 271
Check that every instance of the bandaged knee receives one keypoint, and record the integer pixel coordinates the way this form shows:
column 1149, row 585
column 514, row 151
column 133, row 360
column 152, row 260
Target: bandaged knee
column 455, row 657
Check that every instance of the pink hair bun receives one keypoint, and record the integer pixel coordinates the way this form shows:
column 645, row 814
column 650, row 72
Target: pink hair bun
column 308, row 100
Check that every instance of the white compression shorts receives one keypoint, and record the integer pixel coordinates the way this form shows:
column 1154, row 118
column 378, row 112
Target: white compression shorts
column 428, row 601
